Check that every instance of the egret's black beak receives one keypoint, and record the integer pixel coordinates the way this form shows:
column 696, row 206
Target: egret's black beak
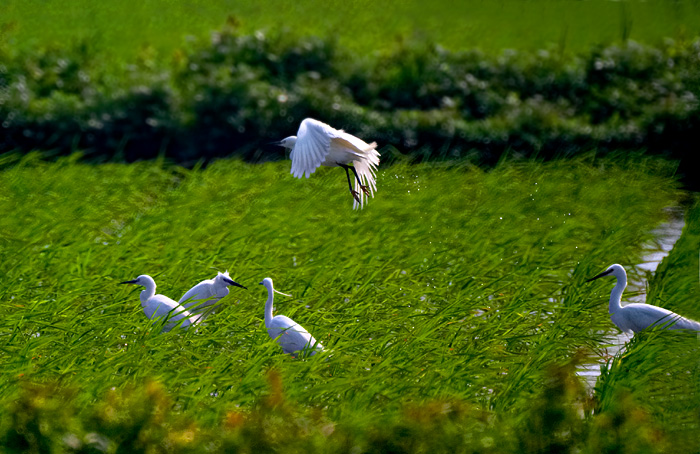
column 232, row 282
column 604, row 273
column 129, row 282
column 278, row 143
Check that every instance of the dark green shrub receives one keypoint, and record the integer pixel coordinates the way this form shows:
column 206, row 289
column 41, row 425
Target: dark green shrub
column 233, row 93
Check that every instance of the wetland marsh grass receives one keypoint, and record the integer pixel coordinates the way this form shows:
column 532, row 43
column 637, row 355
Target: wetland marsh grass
column 454, row 284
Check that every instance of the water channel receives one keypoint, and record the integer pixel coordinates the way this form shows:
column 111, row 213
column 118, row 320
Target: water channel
column 665, row 237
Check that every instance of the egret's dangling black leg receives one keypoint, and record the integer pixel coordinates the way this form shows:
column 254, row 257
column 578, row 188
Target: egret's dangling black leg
column 357, row 178
column 352, row 191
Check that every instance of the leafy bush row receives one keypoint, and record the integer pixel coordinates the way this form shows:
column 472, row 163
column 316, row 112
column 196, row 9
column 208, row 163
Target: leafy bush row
column 232, row 94
column 143, row 419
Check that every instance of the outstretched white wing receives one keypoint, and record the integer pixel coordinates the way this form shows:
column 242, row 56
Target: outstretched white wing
column 312, row 146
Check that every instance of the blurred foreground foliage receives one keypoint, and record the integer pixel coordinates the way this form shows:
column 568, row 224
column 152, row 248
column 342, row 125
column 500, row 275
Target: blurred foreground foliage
column 233, row 93
column 139, row 419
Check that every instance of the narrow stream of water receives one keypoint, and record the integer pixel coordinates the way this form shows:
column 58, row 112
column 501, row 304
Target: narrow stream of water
column 655, row 251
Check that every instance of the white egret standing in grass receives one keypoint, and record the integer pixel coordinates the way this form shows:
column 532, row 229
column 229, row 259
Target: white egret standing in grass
column 202, row 298
column 638, row 316
column 291, row 336
column 157, row 306
column 317, row 144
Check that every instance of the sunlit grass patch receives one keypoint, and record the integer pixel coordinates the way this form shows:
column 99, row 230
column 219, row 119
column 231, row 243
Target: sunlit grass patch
column 123, row 30
column 452, row 282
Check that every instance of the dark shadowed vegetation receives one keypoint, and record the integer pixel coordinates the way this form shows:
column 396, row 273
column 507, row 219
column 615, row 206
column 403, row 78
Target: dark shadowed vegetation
column 230, row 94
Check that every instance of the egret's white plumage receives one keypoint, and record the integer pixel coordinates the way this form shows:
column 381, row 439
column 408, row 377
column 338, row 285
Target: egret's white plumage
column 203, row 297
column 318, row 144
column 157, row 306
column 291, row 336
column 638, row 316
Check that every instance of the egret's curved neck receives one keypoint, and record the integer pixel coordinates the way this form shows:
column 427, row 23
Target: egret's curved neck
column 148, row 292
column 616, row 295
column 268, row 305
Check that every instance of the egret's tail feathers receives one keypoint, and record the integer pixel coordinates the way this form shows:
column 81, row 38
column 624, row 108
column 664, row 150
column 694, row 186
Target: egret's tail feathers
column 685, row 323
column 366, row 169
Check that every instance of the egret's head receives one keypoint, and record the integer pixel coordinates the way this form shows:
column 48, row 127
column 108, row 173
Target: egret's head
column 286, row 142
column 225, row 279
column 613, row 270
column 267, row 282
column 221, row 277
column 141, row 280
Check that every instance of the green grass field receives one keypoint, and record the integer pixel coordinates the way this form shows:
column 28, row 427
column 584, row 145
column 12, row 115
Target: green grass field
column 122, row 29
column 453, row 308
column 452, row 283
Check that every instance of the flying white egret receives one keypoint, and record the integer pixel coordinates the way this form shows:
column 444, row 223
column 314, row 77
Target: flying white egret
column 291, row 336
column 202, row 298
column 638, row 316
column 157, row 306
column 317, row 144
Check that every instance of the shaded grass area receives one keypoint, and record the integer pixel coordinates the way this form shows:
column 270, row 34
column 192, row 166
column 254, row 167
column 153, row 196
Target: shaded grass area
column 120, row 29
column 658, row 368
column 452, row 284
